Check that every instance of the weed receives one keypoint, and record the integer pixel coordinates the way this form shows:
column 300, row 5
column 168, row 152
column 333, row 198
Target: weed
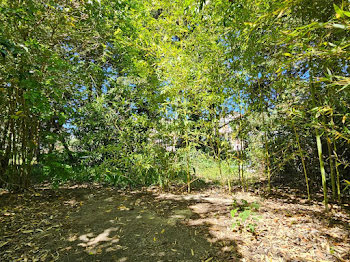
column 244, row 216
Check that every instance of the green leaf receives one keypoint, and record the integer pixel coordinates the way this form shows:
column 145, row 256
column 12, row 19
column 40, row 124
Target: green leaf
column 234, row 212
column 14, row 117
column 244, row 215
column 339, row 12
column 347, row 183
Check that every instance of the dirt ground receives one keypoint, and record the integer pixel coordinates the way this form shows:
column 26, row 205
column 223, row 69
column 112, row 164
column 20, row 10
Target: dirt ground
column 85, row 223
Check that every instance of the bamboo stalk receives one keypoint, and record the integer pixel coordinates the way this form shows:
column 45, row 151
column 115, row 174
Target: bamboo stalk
column 337, row 172
column 267, row 163
column 319, row 144
column 302, row 161
column 267, row 157
column 331, row 164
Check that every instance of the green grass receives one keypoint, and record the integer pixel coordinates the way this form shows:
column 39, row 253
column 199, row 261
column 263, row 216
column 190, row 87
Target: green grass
column 207, row 168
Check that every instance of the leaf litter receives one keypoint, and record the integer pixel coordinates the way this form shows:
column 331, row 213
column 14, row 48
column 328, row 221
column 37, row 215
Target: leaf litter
column 150, row 225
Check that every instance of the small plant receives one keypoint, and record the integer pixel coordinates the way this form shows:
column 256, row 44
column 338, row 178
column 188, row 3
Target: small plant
column 243, row 215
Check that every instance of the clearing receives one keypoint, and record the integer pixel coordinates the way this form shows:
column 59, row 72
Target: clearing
column 92, row 223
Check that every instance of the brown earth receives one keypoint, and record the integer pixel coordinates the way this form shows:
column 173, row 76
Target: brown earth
column 104, row 224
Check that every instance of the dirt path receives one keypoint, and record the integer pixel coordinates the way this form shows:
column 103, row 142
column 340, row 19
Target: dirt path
column 136, row 227
column 99, row 224
column 103, row 225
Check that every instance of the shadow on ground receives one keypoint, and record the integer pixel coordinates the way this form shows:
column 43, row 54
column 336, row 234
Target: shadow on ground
column 110, row 225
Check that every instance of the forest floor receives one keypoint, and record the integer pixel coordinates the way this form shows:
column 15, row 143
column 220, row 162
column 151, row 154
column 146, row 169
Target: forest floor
column 92, row 223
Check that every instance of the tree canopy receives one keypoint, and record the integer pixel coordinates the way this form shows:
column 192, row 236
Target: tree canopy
column 125, row 92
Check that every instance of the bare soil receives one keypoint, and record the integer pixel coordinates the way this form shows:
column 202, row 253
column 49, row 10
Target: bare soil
column 92, row 223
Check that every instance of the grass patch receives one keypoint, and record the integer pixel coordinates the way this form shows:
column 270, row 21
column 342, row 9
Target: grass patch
column 207, row 168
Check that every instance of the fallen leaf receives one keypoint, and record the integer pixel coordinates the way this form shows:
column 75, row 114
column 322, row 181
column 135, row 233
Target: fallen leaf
column 27, row 231
column 122, row 207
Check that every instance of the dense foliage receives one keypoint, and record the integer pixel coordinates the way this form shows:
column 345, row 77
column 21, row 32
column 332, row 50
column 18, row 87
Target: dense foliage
column 130, row 92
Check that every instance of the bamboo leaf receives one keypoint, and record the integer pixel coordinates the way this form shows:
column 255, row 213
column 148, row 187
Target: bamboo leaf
column 339, row 12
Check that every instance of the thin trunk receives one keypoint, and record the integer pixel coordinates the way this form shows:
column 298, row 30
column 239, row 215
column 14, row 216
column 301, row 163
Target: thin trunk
column 334, row 159
column 331, row 164
column 229, row 185
column 188, row 172
column 188, row 163
column 302, row 161
column 244, row 180
column 220, row 169
column 323, row 172
column 239, row 165
column 268, row 171
column 217, row 143
column 240, row 137
column 267, row 156
column 337, row 171
column 319, row 144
